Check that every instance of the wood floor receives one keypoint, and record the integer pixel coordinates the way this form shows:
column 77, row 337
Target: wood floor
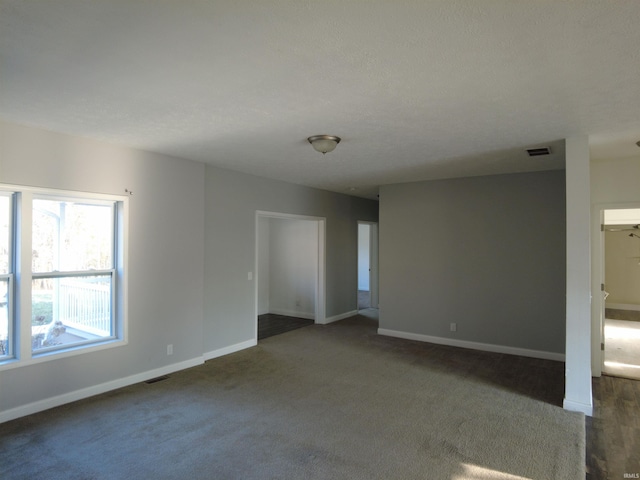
column 271, row 324
column 613, row 433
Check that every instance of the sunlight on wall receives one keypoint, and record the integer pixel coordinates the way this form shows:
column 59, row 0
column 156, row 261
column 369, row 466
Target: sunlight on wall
column 474, row 472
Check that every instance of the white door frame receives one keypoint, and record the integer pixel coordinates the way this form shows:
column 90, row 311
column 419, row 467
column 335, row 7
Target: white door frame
column 320, row 301
column 597, row 279
column 373, row 263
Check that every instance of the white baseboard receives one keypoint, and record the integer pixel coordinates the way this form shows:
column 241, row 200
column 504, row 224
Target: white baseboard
column 230, row 349
column 58, row 400
column 487, row 347
column 587, row 409
column 292, row 313
column 341, row 316
column 623, row 306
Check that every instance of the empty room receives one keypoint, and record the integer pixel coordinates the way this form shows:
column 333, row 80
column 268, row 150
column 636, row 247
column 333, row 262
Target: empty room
column 422, row 189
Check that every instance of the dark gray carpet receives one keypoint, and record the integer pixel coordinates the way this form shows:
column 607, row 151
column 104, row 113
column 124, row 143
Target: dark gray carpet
column 270, row 324
column 364, row 299
column 321, row 402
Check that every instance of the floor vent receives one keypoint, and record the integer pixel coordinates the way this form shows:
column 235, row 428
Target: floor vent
column 536, row 152
column 157, row 379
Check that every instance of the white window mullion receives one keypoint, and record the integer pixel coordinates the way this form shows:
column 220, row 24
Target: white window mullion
column 23, row 274
column 121, row 256
column 81, row 273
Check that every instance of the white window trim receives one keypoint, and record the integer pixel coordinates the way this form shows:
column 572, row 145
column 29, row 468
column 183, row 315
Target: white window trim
column 22, row 280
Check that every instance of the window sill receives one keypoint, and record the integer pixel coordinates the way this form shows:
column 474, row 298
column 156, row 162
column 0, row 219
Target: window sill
column 12, row 363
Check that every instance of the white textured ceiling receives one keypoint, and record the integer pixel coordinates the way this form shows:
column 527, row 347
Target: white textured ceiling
column 416, row 89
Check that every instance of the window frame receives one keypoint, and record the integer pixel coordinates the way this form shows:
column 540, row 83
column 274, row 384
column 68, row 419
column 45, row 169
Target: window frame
column 10, row 277
column 9, row 354
column 20, row 351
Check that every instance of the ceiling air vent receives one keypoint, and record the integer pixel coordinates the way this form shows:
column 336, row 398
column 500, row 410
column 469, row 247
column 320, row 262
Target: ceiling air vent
column 536, row 152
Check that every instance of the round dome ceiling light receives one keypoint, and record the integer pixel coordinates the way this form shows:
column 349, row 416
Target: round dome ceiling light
column 324, row 143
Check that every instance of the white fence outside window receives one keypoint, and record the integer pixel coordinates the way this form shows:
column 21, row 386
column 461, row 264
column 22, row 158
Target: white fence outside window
column 85, row 306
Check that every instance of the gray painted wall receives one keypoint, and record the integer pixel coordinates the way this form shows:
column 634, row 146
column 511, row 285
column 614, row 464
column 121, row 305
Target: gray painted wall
column 287, row 266
column 487, row 253
column 232, row 200
column 191, row 244
column 166, row 254
column 264, row 275
column 293, row 269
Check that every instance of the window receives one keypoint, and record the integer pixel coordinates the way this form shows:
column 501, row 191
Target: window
column 72, row 272
column 61, row 273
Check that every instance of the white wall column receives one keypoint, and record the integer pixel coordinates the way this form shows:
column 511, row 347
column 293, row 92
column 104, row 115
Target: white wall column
column 578, row 396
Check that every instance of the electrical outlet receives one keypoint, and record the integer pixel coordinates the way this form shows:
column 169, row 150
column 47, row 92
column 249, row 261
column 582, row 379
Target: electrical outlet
column 250, row 276
column 170, row 349
column 454, row 327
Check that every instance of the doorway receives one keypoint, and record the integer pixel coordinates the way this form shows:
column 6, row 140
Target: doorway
column 620, row 310
column 367, row 265
column 290, row 266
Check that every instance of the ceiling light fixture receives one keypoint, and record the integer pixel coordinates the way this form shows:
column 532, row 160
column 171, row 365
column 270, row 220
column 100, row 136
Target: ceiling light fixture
column 324, row 143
